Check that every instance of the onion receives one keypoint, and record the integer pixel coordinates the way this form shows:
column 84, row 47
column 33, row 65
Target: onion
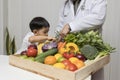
column 81, row 57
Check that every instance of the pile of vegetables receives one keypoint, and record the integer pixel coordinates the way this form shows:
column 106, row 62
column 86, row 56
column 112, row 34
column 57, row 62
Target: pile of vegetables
column 71, row 52
column 90, row 43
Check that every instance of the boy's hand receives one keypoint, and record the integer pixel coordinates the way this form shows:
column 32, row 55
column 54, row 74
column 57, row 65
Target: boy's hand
column 51, row 38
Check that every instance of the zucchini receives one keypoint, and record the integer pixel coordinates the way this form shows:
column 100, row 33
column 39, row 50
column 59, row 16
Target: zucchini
column 41, row 56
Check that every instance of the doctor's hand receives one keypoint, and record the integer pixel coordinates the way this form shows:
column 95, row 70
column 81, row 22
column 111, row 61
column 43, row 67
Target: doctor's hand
column 65, row 30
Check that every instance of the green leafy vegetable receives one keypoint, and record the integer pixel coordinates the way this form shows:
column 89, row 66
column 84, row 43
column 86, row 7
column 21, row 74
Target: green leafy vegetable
column 92, row 38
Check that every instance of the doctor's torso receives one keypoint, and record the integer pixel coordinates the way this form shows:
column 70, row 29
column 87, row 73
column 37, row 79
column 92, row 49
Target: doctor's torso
column 90, row 14
column 84, row 9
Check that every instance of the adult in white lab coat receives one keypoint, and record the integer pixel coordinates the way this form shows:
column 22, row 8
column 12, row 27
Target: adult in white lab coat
column 77, row 15
column 89, row 14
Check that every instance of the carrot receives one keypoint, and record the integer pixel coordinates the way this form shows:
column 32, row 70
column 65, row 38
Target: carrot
column 61, row 45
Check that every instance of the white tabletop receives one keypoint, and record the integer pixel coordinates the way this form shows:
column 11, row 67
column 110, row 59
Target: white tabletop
column 8, row 72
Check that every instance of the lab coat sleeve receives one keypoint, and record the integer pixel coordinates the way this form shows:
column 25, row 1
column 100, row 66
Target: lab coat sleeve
column 61, row 20
column 91, row 21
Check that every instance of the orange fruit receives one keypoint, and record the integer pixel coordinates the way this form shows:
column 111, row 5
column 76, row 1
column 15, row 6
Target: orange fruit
column 59, row 65
column 50, row 60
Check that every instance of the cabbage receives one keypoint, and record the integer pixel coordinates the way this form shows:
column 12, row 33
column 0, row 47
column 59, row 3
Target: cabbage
column 49, row 45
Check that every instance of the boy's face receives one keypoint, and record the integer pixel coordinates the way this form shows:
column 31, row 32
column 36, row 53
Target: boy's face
column 42, row 32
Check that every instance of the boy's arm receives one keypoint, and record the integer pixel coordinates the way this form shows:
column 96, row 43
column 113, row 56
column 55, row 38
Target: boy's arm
column 33, row 39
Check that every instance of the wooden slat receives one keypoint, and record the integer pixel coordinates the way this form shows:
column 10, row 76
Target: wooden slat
column 91, row 67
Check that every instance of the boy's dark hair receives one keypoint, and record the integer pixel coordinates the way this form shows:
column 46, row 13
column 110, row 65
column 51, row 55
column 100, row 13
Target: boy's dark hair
column 38, row 23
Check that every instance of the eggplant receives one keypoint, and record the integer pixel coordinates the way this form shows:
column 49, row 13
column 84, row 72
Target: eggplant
column 49, row 45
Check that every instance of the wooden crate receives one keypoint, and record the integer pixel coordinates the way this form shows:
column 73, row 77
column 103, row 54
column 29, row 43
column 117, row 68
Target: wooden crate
column 59, row 74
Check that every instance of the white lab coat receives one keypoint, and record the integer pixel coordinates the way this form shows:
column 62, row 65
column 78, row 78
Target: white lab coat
column 90, row 15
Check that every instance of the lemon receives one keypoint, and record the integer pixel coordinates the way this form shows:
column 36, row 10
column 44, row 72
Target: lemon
column 59, row 65
column 58, row 55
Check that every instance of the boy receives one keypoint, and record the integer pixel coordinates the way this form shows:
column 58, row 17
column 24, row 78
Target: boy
column 39, row 33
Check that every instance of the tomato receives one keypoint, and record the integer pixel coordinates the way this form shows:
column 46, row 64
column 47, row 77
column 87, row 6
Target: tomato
column 31, row 52
column 66, row 62
column 68, row 55
column 71, row 67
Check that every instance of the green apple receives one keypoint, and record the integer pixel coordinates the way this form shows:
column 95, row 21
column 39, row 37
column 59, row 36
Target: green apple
column 31, row 58
column 60, row 59
column 23, row 57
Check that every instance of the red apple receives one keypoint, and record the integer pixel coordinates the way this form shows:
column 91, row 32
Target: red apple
column 23, row 52
column 33, row 46
column 31, row 52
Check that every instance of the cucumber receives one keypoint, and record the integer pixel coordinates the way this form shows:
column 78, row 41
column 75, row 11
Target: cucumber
column 41, row 60
column 41, row 56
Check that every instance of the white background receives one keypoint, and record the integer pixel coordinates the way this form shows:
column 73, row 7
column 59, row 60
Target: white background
column 16, row 14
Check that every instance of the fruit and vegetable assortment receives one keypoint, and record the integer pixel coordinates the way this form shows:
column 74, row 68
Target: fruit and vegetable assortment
column 71, row 53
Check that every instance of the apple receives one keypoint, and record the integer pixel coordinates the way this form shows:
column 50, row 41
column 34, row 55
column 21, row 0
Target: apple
column 60, row 59
column 23, row 57
column 31, row 58
column 32, row 46
column 31, row 52
column 23, row 52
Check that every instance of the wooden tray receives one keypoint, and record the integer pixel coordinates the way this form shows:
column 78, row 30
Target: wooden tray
column 59, row 74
